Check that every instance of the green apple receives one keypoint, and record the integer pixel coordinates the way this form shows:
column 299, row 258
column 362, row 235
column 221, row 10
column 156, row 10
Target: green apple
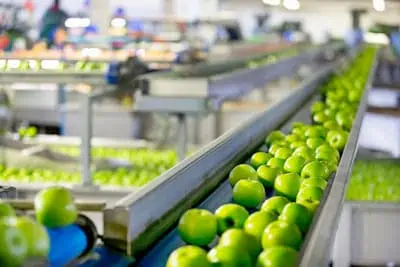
column 326, row 148
column 242, row 171
column 276, row 163
column 277, row 256
column 257, row 222
column 275, row 204
column 230, row 216
column 260, row 158
column 299, row 131
column 297, row 125
column 14, row 246
column 321, row 183
column 274, row 148
column 6, row 210
column 320, row 117
column 314, row 142
column 198, row 227
column 283, row 153
column 332, row 125
column 311, row 205
column 305, row 152
column 281, row 233
column 267, row 175
column 287, row 185
column 229, row 256
column 248, row 193
column 317, row 107
column 55, row 207
column 297, row 144
column 240, row 239
column 274, row 136
column 36, row 236
column 330, row 113
column 337, row 139
column 292, row 138
column 314, row 132
column 315, row 169
column 188, row 256
column 310, row 192
column 294, row 164
column 345, row 120
column 297, row 214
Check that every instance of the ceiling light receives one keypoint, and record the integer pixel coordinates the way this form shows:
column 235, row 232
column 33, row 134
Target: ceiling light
column 272, row 2
column 291, row 4
column 379, row 5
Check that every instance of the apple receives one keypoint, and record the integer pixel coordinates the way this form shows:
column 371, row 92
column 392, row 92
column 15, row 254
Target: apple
column 326, row 148
column 314, row 132
column 297, row 125
column 320, row 117
column 55, row 207
column 274, row 136
column 315, row 169
column 6, row 210
column 287, row 185
column 260, row 158
column 242, row 171
column 331, row 125
column 292, row 138
column 283, row 153
column 314, row 142
column 277, row 256
column 276, row 163
column 36, row 236
column 294, row 164
column 188, row 256
column 330, row 113
column 297, row 214
column 337, row 139
column 311, row 192
column 198, row 227
column 281, row 233
column 321, row 183
column 274, row 204
column 297, row 144
column 299, row 131
column 317, row 107
column 248, row 193
column 311, row 205
column 305, row 152
column 230, row 216
column 344, row 119
column 267, row 175
column 229, row 256
column 14, row 246
column 274, row 148
column 240, row 239
column 257, row 222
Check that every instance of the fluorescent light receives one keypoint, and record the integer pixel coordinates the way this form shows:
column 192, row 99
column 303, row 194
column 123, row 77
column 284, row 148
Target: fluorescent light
column 379, row 5
column 291, row 4
column 118, row 23
column 376, row 38
column 272, row 2
column 77, row 22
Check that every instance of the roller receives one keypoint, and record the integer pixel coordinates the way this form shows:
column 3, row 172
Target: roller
column 69, row 243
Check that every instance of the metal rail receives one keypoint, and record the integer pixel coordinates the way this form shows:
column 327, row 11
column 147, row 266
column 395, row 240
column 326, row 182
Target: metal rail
column 59, row 77
column 129, row 228
column 317, row 248
column 22, row 204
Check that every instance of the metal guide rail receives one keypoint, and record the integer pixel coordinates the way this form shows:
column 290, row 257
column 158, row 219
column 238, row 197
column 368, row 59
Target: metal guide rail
column 129, row 228
column 144, row 233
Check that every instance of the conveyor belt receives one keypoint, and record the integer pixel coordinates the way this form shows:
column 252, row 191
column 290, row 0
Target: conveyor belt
column 190, row 182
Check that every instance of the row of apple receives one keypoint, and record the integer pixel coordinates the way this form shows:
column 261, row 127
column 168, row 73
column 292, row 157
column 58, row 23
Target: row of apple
column 53, row 65
column 24, row 238
column 255, row 230
column 375, row 180
column 147, row 165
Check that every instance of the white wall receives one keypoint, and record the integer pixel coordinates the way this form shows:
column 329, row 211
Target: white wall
column 319, row 17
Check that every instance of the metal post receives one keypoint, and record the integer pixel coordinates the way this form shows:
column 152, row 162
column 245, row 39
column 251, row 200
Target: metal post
column 62, row 99
column 182, row 136
column 86, row 140
column 218, row 123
